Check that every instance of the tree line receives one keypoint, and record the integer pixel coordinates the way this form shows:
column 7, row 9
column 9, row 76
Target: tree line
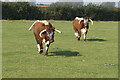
column 56, row 11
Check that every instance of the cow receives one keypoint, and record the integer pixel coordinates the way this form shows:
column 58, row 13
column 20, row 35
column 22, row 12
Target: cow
column 81, row 25
column 44, row 33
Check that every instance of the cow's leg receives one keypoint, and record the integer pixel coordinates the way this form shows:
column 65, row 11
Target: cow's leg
column 38, row 46
column 77, row 35
column 37, row 38
column 85, row 37
column 47, row 47
column 47, row 43
column 40, row 50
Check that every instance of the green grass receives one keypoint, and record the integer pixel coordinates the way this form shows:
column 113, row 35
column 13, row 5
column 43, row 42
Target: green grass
column 68, row 58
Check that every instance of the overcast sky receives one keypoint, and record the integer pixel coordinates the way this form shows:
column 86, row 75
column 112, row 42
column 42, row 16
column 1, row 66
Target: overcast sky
column 101, row 0
column 64, row 0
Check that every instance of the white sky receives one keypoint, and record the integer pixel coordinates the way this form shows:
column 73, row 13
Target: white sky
column 101, row 0
column 64, row 0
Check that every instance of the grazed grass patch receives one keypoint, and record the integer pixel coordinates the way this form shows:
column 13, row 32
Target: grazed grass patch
column 67, row 58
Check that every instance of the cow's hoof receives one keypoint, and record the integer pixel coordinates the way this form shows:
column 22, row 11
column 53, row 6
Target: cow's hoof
column 46, row 54
column 78, row 39
column 84, row 40
column 40, row 52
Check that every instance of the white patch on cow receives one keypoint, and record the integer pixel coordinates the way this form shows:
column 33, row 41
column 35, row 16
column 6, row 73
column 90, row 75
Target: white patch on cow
column 80, row 19
column 83, row 30
column 47, row 43
column 85, row 21
column 47, row 48
column 38, row 20
column 45, row 22
column 79, row 22
column 76, row 34
column 50, row 35
column 38, row 47
column 43, row 41
column 84, row 36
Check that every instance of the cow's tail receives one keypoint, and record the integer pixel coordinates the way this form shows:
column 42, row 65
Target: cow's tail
column 32, row 25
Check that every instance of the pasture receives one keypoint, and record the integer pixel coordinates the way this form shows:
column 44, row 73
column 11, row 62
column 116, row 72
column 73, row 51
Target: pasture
column 67, row 57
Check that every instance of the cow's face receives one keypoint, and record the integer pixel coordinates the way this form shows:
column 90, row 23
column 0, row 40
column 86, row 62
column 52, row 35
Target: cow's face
column 50, row 34
column 86, row 21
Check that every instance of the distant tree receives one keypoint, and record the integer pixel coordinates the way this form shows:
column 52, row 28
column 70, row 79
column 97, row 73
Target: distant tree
column 71, row 2
column 0, row 10
column 119, row 4
column 108, row 4
column 56, row 11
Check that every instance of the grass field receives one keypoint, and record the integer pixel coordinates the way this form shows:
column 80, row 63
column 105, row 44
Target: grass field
column 68, row 58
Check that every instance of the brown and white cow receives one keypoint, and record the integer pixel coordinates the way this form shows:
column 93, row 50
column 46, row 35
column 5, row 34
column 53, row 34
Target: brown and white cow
column 44, row 33
column 81, row 25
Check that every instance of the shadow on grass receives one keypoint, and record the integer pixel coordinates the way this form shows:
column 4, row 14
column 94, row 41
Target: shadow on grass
column 65, row 53
column 96, row 40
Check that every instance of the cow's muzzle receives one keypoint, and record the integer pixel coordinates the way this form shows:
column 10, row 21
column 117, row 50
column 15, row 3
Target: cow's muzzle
column 85, row 25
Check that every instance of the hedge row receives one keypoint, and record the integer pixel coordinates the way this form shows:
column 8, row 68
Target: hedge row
column 23, row 10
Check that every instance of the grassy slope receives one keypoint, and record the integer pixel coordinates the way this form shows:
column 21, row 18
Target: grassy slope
column 68, row 58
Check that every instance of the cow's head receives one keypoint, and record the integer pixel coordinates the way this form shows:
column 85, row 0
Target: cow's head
column 86, row 21
column 49, row 33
